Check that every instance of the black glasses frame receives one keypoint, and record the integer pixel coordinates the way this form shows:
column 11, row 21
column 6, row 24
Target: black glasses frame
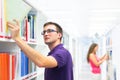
column 48, row 31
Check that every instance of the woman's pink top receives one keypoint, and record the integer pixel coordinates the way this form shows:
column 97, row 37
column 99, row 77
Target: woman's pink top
column 95, row 69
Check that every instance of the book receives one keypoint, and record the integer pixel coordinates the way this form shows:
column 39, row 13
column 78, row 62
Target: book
column 7, row 66
column 31, row 21
column 0, row 66
column 8, row 14
column 24, row 64
column 7, row 34
column 4, row 66
column 13, row 64
column 24, row 29
column 0, row 16
column 2, row 27
column 32, row 66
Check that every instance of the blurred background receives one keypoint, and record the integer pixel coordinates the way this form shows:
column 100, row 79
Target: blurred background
column 85, row 22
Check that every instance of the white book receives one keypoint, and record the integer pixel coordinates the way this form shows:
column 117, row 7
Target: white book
column 2, row 32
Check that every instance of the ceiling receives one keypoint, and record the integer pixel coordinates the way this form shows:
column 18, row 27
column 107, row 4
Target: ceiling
column 81, row 17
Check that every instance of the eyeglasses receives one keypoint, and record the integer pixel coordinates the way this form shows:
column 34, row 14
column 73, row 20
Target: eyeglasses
column 48, row 31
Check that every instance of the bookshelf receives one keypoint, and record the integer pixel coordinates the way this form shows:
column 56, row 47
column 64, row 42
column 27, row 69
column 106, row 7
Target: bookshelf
column 109, row 49
column 31, row 22
column 116, row 50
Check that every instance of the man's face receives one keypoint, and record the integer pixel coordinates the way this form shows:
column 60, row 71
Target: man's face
column 51, row 34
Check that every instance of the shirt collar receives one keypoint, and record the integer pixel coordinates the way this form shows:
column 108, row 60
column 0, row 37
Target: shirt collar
column 58, row 46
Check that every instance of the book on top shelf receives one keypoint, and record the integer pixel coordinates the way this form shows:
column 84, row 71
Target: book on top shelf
column 2, row 27
column 0, row 17
column 8, row 12
column 24, row 29
column 28, row 29
column 32, row 29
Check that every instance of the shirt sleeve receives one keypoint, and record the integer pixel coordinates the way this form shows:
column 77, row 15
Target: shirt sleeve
column 61, row 57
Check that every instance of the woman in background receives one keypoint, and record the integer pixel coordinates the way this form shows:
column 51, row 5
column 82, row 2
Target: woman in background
column 95, row 62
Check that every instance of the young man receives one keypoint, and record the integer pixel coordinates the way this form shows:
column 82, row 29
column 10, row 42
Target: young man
column 58, row 64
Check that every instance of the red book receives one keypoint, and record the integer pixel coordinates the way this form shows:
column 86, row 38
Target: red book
column 24, row 29
column 26, row 25
column 4, row 66
column 13, row 66
column 0, row 67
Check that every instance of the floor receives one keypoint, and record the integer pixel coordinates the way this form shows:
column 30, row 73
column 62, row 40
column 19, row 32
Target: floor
column 85, row 73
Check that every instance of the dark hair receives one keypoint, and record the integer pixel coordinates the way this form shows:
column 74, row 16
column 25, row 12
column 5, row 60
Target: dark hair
column 93, row 45
column 58, row 27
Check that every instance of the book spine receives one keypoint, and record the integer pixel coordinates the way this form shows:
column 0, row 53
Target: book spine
column 24, row 64
column 26, row 25
column 7, row 32
column 12, row 66
column 4, row 32
column 7, row 66
column 1, row 19
column 4, row 67
column 24, row 29
column 0, row 66
column 0, row 16
column 31, row 20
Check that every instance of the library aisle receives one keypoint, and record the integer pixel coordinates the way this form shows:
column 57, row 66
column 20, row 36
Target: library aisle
column 85, row 72
column 84, row 23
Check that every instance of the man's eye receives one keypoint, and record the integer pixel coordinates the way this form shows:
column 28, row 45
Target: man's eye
column 50, row 30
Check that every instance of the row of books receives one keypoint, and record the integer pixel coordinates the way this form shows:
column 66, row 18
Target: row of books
column 7, row 66
column 27, row 23
column 28, row 28
column 14, row 65
column 27, row 66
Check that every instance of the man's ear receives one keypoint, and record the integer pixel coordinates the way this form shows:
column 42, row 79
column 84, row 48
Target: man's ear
column 60, row 35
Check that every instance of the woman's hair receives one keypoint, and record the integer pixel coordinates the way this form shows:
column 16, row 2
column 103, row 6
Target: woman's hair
column 91, row 49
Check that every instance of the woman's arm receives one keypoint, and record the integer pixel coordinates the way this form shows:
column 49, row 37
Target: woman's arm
column 95, row 61
column 104, row 57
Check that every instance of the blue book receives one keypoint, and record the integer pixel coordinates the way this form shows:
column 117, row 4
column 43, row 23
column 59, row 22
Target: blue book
column 24, row 64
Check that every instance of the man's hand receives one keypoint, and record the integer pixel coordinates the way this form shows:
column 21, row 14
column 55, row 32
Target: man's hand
column 14, row 27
